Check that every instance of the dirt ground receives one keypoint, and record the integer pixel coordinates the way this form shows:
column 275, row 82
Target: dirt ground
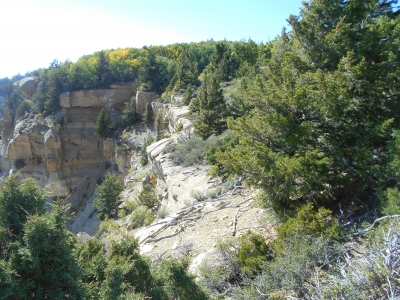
column 195, row 230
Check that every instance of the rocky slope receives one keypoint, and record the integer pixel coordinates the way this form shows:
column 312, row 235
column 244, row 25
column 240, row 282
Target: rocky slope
column 62, row 153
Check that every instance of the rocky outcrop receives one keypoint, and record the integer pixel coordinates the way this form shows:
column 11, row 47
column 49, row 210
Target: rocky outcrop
column 27, row 86
column 174, row 115
column 177, row 186
column 116, row 96
column 154, row 152
column 7, row 124
column 66, row 157
column 143, row 99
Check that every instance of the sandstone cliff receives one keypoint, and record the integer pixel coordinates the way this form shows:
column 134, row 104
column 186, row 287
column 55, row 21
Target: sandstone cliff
column 61, row 151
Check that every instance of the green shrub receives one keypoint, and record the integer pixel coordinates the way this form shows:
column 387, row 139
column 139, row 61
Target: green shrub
column 191, row 152
column 122, row 213
column 198, row 195
column 147, row 197
column 141, row 216
column 253, row 253
column 25, row 106
column 308, row 222
column 162, row 212
column 226, row 142
column 178, row 127
column 129, row 115
column 300, row 256
column 176, row 283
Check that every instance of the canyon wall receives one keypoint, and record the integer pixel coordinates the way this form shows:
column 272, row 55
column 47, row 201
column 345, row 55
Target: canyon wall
column 61, row 151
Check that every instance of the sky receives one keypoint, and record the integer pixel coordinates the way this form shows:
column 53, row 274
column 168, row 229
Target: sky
column 35, row 32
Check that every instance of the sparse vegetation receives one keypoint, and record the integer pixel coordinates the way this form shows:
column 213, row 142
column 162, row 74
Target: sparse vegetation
column 144, row 159
column 191, row 152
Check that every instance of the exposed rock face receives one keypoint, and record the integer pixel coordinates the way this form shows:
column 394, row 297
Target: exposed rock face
column 66, row 157
column 176, row 185
column 174, row 115
column 7, row 123
column 154, row 152
column 27, row 86
column 142, row 100
column 117, row 95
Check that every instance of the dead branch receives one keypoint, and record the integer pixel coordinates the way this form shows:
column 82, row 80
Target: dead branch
column 234, row 223
column 237, row 205
column 372, row 225
column 166, row 236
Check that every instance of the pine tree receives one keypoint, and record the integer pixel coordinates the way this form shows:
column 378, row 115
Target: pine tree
column 210, row 108
column 102, row 127
column 159, row 125
column 109, row 193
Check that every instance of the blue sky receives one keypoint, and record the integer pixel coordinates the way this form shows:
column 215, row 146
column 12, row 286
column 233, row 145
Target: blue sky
column 34, row 32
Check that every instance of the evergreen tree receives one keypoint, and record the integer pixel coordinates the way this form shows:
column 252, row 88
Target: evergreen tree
column 187, row 95
column 18, row 201
column 129, row 115
column 147, row 196
column 102, row 127
column 45, row 266
column 159, row 125
column 109, row 193
column 223, row 62
column 321, row 122
column 210, row 108
column 103, row 70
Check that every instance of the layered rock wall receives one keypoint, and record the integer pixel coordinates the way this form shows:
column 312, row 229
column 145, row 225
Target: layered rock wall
column 65, row 157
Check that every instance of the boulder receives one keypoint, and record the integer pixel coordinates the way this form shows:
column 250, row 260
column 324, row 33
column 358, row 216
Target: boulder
column 27, row 86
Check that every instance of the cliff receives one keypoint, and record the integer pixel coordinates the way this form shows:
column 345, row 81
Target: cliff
column 61, row 151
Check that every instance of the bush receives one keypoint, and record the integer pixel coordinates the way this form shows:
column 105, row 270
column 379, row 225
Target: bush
column 176, row 283
column 253, row 253
column 226, row 142
column 147, row 197
column 301, row 255
column 191, row 152
column 141, row 216
column 25, row 106
column 199, row 196
column 307, row 222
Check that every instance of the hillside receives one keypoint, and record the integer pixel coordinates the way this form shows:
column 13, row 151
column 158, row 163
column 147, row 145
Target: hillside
column 210, row 170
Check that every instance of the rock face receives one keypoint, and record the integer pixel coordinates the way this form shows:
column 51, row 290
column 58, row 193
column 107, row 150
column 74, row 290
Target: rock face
column 143, row 99
column 27, row 86
column 117, row 95
column 177, row 186
column 174, row 115
column 7, row 123
column 65, row 157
